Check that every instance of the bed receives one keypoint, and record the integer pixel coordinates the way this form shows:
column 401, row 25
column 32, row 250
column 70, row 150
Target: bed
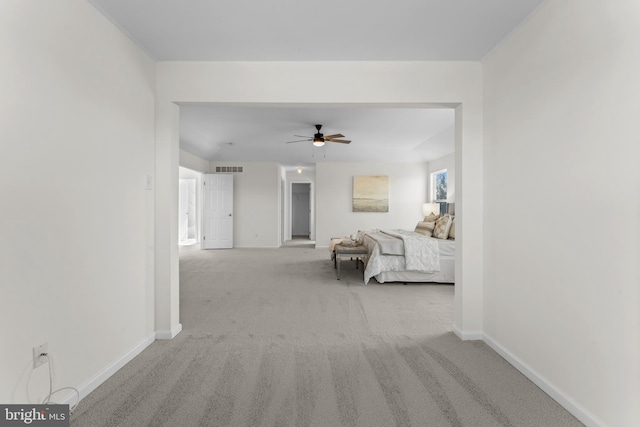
column 407, row 256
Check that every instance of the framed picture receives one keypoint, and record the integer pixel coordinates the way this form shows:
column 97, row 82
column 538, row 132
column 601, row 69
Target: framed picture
column 371, row 193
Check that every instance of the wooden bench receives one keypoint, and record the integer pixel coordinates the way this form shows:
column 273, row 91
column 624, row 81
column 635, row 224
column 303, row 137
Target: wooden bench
column 340, row 252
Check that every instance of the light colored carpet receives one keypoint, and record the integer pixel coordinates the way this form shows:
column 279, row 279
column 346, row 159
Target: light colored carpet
column 271, row 338
column 300, row 242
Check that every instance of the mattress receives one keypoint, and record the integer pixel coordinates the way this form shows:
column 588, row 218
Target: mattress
column 447, row 274
column 392, row 268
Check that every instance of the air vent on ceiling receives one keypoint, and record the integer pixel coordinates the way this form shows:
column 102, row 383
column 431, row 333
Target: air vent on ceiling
column 228, row 169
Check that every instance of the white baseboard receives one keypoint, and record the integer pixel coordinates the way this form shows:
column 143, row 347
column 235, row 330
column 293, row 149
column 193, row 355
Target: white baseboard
column 465, row 335
column 566, row 402
column 169, row 335
column 107, row 372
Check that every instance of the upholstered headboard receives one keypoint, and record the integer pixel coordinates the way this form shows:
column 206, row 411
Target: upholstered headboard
column 449, row 208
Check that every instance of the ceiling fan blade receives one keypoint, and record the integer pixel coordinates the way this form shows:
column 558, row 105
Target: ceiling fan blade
column 319, row 139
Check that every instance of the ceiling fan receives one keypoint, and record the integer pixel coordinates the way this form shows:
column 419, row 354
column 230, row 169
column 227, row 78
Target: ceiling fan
column 319, row 139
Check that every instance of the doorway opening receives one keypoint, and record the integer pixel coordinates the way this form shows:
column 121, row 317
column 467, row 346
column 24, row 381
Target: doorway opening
column 463, row 304
column 301, row 215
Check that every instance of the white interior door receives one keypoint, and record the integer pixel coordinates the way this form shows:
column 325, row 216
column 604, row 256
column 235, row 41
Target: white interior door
column 191, row 209
column 217, row 216
column 183, row 211
column 187, row 209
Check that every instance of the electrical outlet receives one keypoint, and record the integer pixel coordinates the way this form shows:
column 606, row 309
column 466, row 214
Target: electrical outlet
column 38, row 358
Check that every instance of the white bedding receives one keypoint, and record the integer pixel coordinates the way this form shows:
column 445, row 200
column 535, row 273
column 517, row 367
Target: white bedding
column 421, row 253
column 437, row 263
column 389, row 245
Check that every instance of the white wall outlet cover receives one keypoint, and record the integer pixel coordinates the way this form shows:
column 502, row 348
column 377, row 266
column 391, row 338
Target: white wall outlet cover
column 38, row 358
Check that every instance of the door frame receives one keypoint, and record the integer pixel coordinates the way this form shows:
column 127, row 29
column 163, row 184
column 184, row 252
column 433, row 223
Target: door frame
column 307, row 206
column 188, row 193
column 312, row 209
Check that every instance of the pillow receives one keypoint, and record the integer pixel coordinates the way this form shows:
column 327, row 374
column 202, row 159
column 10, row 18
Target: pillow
column 452, row 230
column 431, row 217
column 347, row 241
column 425, row 228
column 443, row 225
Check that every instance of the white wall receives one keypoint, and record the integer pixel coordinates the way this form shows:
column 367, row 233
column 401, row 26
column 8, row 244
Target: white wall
column 408, row 184
column 76, row 253
column 562, row 205
column 256, row 205
column 193, row 162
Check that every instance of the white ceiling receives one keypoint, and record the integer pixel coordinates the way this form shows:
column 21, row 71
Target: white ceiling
column 313, row 30
column 261, row 133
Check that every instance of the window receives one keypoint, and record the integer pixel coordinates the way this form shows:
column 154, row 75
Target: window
column 439, row 186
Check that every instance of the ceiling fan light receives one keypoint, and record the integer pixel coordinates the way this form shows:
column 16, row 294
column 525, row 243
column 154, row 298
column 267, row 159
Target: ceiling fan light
column 318, row 142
